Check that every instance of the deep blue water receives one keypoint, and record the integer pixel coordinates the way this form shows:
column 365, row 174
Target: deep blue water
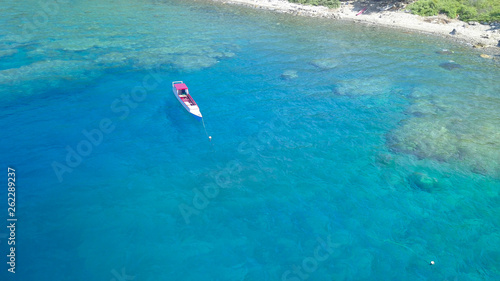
column 338, row 152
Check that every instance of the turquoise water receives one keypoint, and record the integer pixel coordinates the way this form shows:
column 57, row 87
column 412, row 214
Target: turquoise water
column 339, row 151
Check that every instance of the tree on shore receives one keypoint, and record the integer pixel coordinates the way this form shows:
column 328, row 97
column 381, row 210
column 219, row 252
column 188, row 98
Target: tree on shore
column 466, row 10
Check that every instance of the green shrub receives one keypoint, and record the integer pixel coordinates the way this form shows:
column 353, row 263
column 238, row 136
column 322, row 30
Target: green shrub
column 476, row 10
column 425, row 8
column 449, row 8
column 467, row 13
column 495, row 14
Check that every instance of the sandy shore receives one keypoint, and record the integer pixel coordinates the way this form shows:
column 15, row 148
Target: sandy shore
column 475, row 34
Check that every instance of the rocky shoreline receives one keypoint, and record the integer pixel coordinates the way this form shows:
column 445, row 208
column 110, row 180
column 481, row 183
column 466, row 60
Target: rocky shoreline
column 474, row 34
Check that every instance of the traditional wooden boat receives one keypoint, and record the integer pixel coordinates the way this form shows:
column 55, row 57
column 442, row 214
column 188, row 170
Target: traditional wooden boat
column 181, row 92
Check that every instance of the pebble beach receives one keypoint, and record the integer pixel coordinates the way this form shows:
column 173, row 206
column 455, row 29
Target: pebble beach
column 473, row 34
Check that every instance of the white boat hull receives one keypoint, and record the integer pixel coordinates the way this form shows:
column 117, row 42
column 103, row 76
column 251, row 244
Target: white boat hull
column 187, row 101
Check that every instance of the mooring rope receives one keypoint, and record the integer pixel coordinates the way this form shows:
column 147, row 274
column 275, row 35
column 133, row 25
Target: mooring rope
column 205, row 128
column 406, row 247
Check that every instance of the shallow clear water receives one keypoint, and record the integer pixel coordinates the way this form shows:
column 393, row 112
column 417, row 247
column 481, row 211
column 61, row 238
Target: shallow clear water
column 339, row 151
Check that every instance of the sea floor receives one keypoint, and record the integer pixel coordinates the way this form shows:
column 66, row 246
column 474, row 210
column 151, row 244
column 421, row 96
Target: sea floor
column 338, row 151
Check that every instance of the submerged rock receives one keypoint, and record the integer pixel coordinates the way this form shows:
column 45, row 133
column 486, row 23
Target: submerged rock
column 289, row 74
column 422, row 181
column 113, row 59
column 444, row 52
column 478, row 168
column 325, row 64
column 177, row 57
column 383, row 159
column 75, row 44
column 425, row 137
column 6, row 53
column 46, row 70
column 193, row 62
column 449, row 130
column 480, row 45
column 422, row 108
column 450, row 65
column 363, row 87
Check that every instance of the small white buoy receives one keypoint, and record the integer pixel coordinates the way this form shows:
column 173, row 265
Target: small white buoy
column 432, row 263
column 210, row 138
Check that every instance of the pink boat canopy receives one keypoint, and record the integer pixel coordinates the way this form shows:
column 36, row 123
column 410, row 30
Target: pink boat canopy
column 181, row 86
